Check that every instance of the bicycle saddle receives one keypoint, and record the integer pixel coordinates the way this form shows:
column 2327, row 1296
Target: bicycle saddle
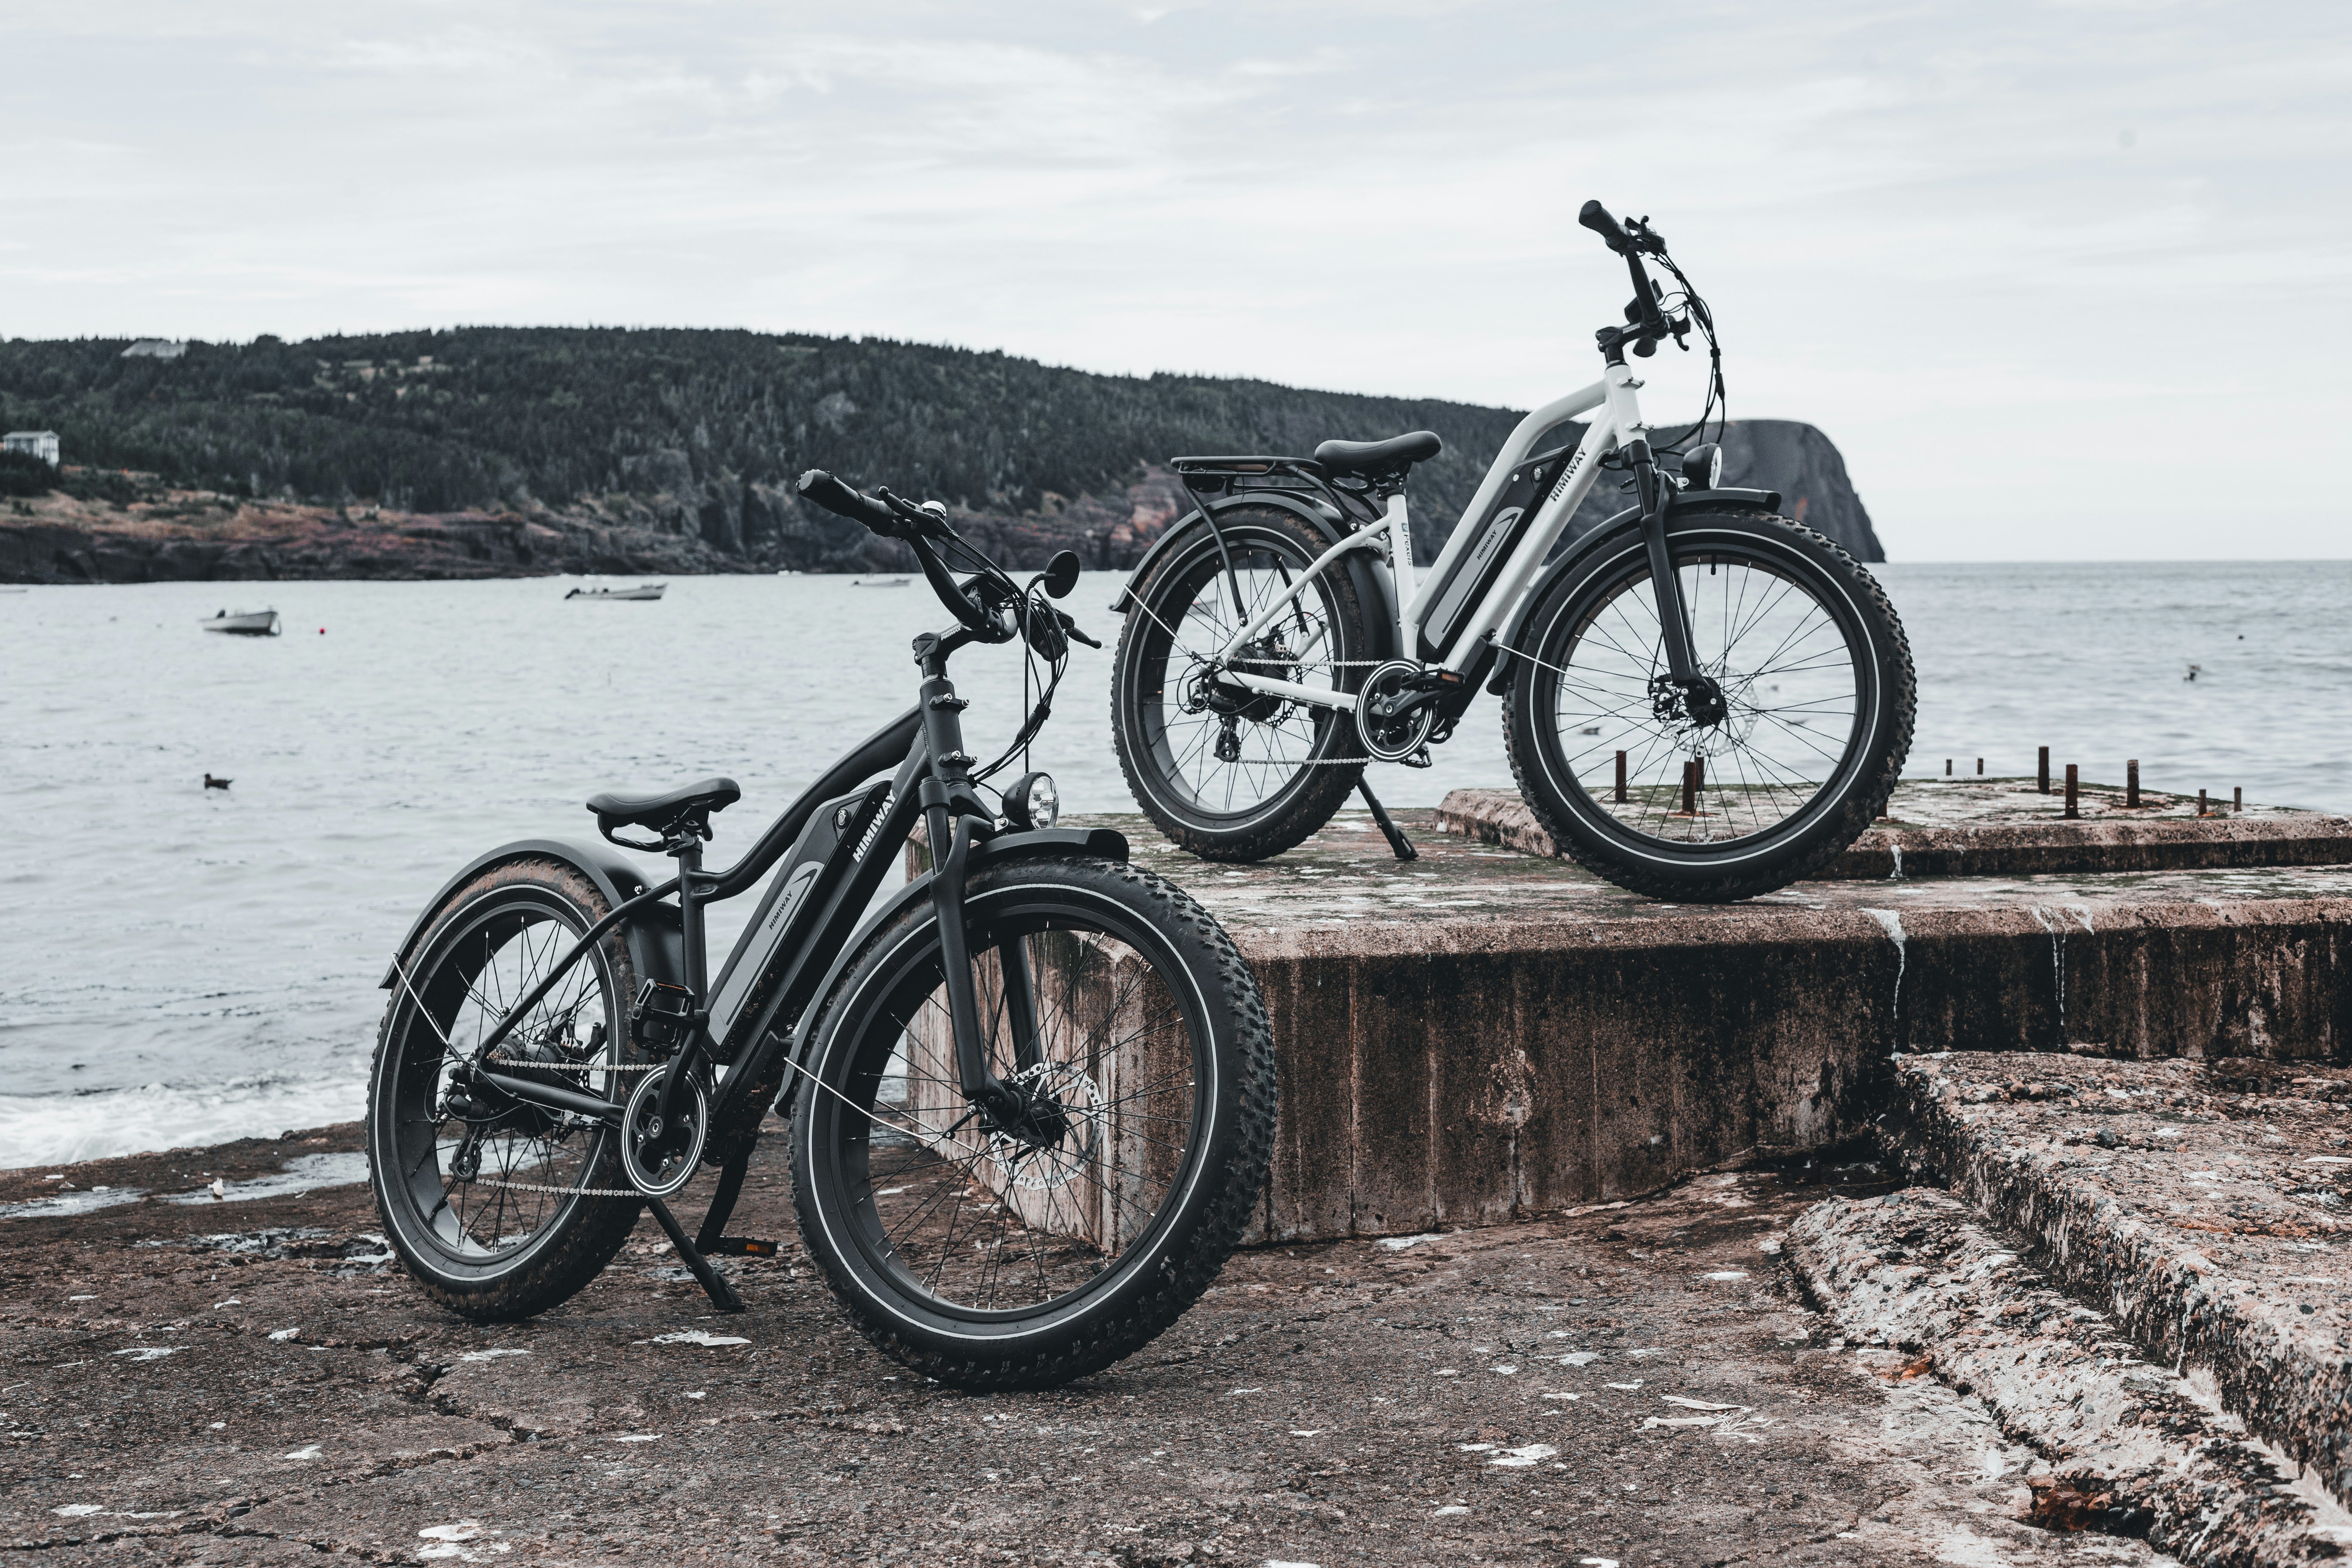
column 614, row 809
column 1379, row 457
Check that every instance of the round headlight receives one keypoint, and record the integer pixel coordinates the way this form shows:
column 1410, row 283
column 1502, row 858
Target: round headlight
column 1030, row 801
column 1703, row 467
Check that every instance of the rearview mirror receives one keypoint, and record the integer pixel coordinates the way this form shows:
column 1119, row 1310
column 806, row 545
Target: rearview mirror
column 1062, row 573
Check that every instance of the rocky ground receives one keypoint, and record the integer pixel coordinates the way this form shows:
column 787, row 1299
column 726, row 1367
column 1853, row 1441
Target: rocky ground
column 248, row 1379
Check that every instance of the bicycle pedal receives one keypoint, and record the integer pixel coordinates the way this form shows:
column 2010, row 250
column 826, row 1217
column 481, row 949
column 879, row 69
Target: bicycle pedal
column 741, row 1247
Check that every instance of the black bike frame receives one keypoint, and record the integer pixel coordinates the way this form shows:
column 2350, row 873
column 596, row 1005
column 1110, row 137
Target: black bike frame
column 843, row 840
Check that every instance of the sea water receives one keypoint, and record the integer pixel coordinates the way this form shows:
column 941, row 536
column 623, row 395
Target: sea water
column 180, row 966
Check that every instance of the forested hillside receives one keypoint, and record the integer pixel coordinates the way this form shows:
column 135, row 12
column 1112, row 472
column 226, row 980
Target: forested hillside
column 694, row 435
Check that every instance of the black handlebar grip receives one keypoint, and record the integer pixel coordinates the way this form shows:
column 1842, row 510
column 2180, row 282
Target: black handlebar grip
column 824, row 490
column 1596, row 217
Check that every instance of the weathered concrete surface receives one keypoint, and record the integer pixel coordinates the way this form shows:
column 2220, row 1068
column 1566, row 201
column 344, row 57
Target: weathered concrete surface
column 1481, row 1033
column 2125, row 1444
column 2202, row 1206
column 254, row 1383
column 2003, row 827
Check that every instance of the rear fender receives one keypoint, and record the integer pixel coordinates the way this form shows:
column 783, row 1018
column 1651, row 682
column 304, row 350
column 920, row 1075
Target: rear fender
column 657, row 945
column 1689, row 507
column 1374, row 588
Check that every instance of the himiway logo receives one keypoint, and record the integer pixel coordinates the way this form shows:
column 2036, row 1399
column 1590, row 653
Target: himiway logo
column 794, row 891
column 1567, row 477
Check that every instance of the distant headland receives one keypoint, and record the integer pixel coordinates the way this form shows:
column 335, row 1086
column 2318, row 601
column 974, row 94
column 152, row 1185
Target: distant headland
column 512, row 451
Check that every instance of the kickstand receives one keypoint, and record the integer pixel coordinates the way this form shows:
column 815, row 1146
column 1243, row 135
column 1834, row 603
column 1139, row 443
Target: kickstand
column 714, row 1284
column 1395, row 835
column 722, row 1201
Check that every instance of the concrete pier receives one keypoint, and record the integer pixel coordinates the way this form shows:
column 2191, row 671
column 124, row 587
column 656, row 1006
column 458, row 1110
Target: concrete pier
column 1483, row 1033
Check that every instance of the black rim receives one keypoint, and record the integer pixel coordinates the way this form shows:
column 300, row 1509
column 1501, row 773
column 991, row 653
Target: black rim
column 1218, row 753
column 480, row 1184
column 1792, row 658
column 979, row 1226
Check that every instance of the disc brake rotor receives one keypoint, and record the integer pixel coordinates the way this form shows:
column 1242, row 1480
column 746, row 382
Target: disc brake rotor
column 1042, row 1167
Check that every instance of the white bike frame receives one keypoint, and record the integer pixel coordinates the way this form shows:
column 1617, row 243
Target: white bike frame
column 1391, row 538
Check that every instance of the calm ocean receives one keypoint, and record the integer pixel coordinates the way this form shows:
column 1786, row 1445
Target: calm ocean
column 186, row 965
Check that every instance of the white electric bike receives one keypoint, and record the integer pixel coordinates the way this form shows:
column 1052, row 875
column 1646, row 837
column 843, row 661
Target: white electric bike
column 1702, row 700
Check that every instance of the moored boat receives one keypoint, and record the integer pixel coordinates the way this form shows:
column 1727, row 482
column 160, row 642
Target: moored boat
column 644, row 591
column 251, row 624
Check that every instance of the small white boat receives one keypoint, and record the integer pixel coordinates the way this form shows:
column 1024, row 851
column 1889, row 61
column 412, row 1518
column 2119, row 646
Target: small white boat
column 254, row 624
column 879, row 582
column 647, row 591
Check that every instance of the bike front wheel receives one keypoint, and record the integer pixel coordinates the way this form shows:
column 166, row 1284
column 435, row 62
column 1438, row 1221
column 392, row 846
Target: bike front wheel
column 998, row 1253
column 1818, row 698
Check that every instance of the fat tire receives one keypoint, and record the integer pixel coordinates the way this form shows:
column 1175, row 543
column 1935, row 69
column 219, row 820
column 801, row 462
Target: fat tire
column 1221, row 1204
column 1306, row 807
column 594, row 1232
column 1866, row 794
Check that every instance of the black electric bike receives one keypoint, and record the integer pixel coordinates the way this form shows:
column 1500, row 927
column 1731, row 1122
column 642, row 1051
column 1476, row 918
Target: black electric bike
column 1031, row 1097
column 1702, row 700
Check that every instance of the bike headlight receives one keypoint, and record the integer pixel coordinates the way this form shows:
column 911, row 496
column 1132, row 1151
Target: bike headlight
column 1703, row 467
column 1030, row 802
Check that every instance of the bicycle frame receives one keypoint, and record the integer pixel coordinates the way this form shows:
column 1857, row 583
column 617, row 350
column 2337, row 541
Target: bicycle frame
column 842, row 844
column 1620, row 424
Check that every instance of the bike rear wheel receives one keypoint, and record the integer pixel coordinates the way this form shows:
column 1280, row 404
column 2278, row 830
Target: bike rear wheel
column 995, row 1254
column 499, row 1210
column 1817, row 682
column 1225, row 772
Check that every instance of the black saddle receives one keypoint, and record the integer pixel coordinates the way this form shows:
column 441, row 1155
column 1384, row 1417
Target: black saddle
column 1396, row 453
column 662, row 812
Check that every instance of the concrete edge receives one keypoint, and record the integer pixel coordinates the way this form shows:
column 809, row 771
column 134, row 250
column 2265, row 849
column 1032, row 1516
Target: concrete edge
column 1714, row 928
column 2017, row 849
column 2158, row 1287
column 2130, row 1448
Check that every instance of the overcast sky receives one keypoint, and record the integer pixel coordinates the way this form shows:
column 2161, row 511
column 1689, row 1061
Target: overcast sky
column 2061, row 281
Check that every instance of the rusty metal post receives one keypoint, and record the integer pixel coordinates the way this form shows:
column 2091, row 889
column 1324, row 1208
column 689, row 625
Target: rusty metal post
column 2045, row 770
column 2238, row 799
column 2072, row 781
column 1620, row 778
column 1980, row 767
column 1948, row 767
column 2201, row 803
column 1690, row 788
column 2131, row 782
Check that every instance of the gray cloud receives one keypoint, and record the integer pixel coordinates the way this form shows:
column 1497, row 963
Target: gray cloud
column 2053, row 276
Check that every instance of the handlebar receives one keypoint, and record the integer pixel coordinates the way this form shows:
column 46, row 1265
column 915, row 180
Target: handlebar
column 838, row 498
column 987, row 606
column 1612, row 234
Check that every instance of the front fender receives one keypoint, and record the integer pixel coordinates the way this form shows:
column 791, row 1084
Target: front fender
column 1612, row 532
column 656, row 945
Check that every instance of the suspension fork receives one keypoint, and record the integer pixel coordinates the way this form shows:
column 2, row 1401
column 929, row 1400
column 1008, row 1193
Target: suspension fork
column 1657, row 494
column 948, row 806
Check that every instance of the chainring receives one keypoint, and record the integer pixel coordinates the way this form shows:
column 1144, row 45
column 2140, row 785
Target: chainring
column 1392, row 737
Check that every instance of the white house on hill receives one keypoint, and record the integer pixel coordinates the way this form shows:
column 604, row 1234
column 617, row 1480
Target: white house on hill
column 156, row 348
column 41, row 444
